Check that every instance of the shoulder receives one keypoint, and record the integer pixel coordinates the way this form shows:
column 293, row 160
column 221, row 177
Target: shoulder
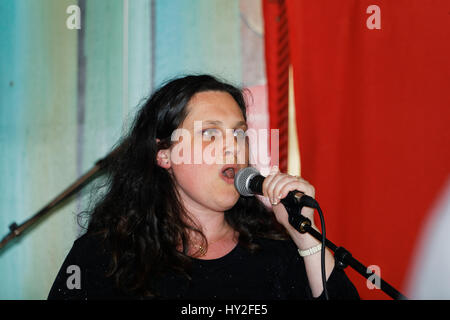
column 89, row 241
column 89, row 248
column 83, row 272
column 87, row 255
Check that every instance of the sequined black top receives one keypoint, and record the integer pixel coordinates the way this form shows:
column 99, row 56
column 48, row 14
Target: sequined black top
column 274, row 272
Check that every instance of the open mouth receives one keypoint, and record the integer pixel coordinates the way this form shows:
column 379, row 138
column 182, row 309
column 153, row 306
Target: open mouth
column 228, row 172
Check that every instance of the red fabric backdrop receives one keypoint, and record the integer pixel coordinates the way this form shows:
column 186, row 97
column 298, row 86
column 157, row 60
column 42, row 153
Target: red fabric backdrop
column 373, row 108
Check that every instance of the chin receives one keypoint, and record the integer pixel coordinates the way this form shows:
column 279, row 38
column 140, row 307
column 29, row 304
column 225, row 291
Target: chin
column 228, row 202
column 233, row 203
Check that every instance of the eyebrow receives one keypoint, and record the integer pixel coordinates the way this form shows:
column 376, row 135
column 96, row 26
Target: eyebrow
column 220, row 123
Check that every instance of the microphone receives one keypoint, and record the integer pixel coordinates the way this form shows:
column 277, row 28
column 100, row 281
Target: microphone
column 248, row 182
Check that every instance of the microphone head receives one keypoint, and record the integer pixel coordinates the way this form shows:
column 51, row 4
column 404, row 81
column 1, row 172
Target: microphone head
column 242, row 181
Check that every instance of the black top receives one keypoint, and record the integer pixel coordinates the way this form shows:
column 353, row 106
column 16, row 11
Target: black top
column 274, row 272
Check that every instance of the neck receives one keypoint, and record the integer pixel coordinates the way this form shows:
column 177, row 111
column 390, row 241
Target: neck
column 211, row 223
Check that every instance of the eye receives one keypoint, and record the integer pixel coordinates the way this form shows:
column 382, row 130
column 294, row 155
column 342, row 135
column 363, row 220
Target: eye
column 239, row 133
column 210, row 133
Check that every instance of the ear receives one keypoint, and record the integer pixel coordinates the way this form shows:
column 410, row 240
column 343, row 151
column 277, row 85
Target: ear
column 163, row 158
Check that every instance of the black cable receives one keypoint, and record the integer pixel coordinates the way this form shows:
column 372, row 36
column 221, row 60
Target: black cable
column 322, row 254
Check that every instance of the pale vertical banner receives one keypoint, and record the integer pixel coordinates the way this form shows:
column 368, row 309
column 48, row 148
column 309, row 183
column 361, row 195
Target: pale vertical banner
column 294, row 166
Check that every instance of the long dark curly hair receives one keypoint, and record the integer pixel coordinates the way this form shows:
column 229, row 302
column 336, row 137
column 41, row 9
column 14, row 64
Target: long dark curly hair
column 140, row 217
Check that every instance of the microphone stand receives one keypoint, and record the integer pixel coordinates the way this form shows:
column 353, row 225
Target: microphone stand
column 17, row 230
column 342, row 256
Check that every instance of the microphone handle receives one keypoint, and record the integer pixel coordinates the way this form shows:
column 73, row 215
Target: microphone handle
column 297, row 198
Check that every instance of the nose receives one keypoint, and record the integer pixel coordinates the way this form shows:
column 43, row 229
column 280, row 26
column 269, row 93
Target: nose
column 234, row 149
column 230, row 147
